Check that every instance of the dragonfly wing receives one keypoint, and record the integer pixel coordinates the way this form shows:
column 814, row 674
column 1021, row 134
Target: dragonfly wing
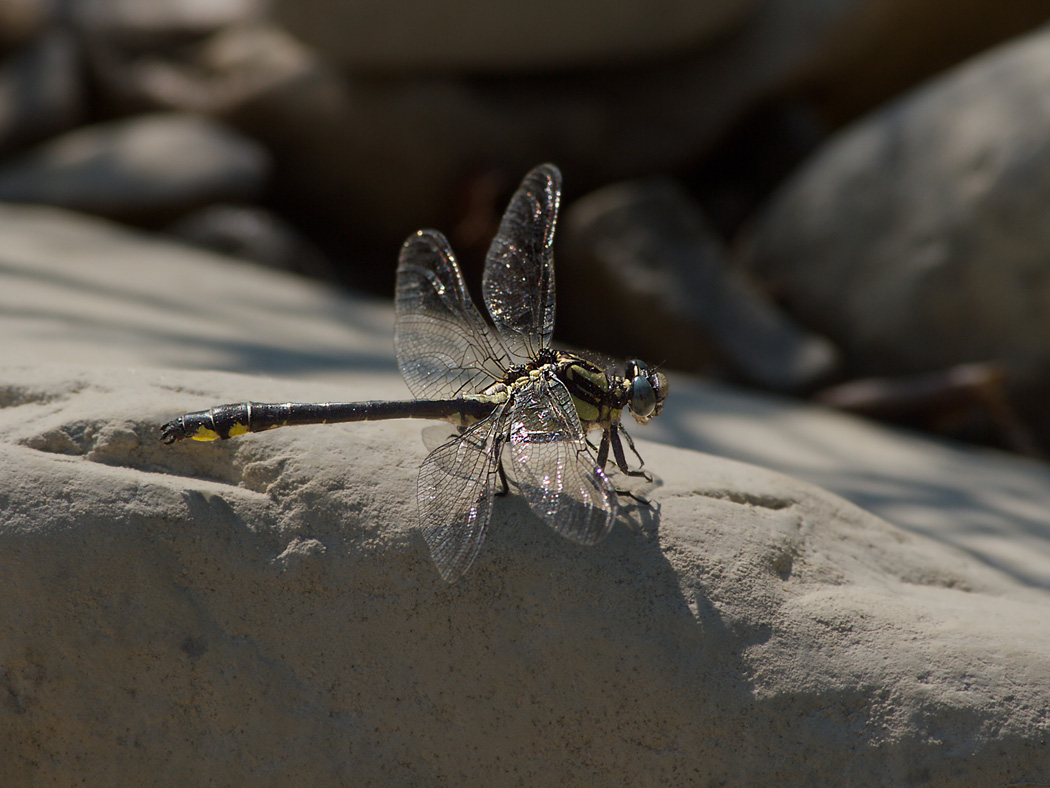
column 437, row 434
column 557, row 471
column 456, row 484
column 444, row 347
column 518, row 284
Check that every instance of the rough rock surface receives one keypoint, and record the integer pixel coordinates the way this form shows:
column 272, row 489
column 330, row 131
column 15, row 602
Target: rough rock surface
column 263, row 610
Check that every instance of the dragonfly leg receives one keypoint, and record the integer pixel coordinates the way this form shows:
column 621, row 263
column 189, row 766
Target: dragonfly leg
column 502, row 480
column 630, row 443
column 612, row 438
column 504, row 487
column 603, row 450
column 621, row 459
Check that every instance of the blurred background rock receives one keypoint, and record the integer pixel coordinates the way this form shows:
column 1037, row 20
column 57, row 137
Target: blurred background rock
column 842, row 199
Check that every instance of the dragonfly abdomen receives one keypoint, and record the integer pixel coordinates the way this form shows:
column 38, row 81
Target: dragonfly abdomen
column 229, row 421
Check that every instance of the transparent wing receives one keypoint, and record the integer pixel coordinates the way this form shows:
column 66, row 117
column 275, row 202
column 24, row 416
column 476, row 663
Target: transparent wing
column 444, row 347
column 518, row 284
column 456, row 484
column 436, row 435
column 557, row 471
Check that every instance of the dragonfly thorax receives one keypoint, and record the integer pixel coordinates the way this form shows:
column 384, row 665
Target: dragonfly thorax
column 597, row 396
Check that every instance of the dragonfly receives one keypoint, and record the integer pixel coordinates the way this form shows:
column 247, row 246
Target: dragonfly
column 502, row 386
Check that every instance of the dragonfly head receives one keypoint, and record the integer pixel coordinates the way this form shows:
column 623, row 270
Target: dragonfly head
column 646, row 391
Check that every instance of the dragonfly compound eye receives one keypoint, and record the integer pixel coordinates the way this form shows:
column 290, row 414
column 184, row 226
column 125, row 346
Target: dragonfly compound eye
column 642, row 401
column 646, row 391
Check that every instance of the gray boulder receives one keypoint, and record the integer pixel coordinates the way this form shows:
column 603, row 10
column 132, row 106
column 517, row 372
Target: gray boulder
column 917, row 239
column 151, row 166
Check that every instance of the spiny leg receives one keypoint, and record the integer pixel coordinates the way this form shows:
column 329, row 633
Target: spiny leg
column 504, row 488
column 499, row 467
column 630, row 442
column 603, row 450
column 621, row 459
column 612, row 437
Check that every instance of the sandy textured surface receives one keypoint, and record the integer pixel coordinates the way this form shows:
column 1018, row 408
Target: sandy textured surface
column 264, row 611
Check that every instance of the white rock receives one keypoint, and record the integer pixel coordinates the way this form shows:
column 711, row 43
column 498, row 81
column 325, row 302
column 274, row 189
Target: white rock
column 263, row 610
